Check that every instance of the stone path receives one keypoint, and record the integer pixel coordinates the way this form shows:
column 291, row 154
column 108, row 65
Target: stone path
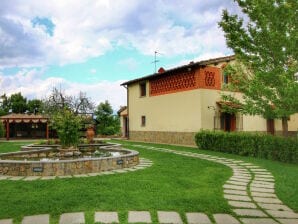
column 144, row 163
column 165, row 217
column 249, row 192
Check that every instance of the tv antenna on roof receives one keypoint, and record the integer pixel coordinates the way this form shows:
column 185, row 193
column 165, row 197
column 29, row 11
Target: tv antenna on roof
column 155, row 60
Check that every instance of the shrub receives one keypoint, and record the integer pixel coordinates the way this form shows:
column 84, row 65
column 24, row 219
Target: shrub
column 249, row 144
column 67, row 125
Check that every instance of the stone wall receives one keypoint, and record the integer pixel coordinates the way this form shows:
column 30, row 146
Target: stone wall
column 179, row 138
column 65, row 167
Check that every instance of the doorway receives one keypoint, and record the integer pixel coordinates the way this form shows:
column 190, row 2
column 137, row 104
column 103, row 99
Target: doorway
column 227, row 122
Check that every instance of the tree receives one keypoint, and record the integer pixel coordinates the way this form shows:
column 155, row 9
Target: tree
column 67, row 124
column 17, row 103
column 58, row 101
column 108, row 124
column 35, row 106
column 266, row 52
column 4, row 107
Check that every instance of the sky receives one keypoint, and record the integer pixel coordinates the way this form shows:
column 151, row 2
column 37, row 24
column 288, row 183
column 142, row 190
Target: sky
column 95, row 45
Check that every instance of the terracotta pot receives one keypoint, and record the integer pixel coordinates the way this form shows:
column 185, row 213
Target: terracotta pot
column 90, row 134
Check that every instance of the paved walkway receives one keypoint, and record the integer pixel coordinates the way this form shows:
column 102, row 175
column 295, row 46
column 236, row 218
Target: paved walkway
column 249, row 192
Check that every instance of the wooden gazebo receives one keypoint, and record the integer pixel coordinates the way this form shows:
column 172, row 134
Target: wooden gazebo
column 25, row 126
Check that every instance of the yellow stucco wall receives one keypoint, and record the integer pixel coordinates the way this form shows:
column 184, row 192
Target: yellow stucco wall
column 169, row 112
column 186, row 112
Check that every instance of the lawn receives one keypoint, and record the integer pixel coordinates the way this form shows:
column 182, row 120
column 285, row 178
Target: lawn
column 174, row 182
column 286, row 175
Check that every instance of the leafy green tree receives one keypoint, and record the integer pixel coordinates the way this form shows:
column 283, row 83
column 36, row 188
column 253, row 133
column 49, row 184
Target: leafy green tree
column 35, row 106
column 266, row 51
column 17, row 103
column 4, row 107
column 67, row 124
column 108, row 124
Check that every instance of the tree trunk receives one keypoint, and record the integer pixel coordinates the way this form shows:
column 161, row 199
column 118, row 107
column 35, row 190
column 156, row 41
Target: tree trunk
column 285, row 126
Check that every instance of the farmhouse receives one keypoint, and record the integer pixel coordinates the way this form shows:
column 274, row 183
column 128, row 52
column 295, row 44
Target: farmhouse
column 170, row 106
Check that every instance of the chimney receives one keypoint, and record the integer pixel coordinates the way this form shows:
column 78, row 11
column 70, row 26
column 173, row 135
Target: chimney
column 161, row 70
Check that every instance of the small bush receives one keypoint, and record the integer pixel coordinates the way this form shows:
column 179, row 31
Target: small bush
column 67, row 125
column 249, row 144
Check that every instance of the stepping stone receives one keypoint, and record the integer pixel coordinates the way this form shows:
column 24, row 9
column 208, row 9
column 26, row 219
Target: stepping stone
column 267, row 200
column 258, row 221
column 264, row 195
column 246, row 164
column 16, row 178
column 264, row 179
column 239, row 180
column 80, row 175
column 169, row 217
column 72, row 218
column 48, row 178
column 36, row 219
column 139, row 216
column 6, row 221
column 242, row 177
column 259, row 169
column 120, row 171
column 276, row 207
column 106, row 217
column 94, row 174
column 263, row 183
column 30, row 178
column 239, row 204
column 241, row 174
column 225, row 219
column 236, row 197
column 288, row 221
column 4, row 177
column 235, row 187
column 197, row 218
column 259, row 189
column 64, row 177
column 107, row 172
column 283, row 214
column 263, row 176
column 236, row 183
column 250, row 212
column 262, row 186
column 237, row 192
column 253, row 166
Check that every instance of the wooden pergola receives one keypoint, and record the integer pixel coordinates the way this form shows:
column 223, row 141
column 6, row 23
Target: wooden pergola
column 26, row 126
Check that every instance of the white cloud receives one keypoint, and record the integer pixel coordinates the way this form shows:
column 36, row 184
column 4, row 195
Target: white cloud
column 89, row 28
column 93, row 71
column 31, row 85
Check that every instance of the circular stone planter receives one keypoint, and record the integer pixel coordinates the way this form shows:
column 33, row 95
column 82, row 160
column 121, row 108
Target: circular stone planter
column 11, row 165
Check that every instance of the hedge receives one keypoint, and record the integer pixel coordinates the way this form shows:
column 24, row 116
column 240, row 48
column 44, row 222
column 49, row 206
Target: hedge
column 249, row 144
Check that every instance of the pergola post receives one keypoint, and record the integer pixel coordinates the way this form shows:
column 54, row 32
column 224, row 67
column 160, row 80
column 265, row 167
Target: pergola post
column 47, row 130
column 7, row 129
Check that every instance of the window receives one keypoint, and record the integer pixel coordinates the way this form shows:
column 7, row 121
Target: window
column 225, row 78
column 142, row 89
column 143, row 121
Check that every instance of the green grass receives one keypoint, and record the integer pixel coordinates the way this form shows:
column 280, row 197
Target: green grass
column 12, row 146
column 286, row 175
column 174, row 182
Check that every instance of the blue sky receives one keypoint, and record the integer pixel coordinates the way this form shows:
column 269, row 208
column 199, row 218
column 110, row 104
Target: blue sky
column 95, row 45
